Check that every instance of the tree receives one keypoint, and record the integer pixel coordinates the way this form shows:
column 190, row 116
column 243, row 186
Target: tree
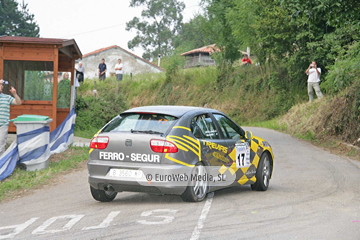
column 17, row 21
column 156, row 31
column 296, row 32
column 193, row 35
column 219, row 27
column 241, row 19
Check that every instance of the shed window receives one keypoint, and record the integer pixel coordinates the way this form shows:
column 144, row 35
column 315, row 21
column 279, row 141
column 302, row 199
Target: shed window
column 33, row 80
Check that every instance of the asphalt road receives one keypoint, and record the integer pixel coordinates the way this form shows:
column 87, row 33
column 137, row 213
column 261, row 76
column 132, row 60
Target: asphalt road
column 313, row 195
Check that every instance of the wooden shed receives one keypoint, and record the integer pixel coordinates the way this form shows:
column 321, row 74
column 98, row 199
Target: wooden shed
column 40, row 69
column 200, row 56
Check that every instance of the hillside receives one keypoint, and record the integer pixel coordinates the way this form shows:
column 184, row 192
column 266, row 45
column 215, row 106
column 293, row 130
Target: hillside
column 244, row 94
column 249, row 95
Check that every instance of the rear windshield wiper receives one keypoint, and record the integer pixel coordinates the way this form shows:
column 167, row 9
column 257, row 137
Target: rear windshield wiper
column 145, row 131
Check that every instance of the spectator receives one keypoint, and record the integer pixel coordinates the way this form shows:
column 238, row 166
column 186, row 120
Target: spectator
column 313, row 81
column 102, row 70
column 5, row 102
column 80, row 71
column 246, row 60
column 119, row 70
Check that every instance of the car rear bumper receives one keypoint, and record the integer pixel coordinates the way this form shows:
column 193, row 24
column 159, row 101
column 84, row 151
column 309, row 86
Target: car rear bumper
column 99, row 178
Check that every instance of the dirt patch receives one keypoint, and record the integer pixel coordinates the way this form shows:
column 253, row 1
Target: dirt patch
column 340, row 148
column 61, row 156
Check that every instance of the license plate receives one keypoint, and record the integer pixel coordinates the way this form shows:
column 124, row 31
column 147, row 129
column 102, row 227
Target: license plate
column 125, row 173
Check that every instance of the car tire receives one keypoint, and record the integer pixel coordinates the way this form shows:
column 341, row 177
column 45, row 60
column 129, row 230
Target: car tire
column 196, row 191
column 263, row 174
column 102, row 195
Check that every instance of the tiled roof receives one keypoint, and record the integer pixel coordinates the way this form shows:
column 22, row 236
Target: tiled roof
column 99, row 51
column 31, row 40
column 206, row 49
column 130, row 53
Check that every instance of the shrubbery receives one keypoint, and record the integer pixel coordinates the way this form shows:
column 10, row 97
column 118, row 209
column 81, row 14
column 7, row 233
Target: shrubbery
column 345, row 71
column 251, row 93
column 95, row 110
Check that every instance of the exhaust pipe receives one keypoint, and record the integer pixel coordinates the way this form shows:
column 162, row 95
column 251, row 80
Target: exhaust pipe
column 109, row 187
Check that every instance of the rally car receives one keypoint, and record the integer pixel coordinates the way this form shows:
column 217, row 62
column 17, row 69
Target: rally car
column 181, row 150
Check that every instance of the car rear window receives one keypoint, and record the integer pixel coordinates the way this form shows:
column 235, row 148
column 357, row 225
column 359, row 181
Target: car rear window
column 140, row 122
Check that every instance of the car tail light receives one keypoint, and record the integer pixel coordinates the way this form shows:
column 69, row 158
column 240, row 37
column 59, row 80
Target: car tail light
column 99, row 142
column 162, row 146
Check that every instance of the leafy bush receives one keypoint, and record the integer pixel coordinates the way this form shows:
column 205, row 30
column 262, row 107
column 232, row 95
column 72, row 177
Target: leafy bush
column 345, row 71
column 94, row 111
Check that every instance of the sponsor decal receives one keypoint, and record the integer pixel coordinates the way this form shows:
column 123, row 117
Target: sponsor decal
column 221, row 157
column 215, row 146
column 210, row 133
column 250, row 172
column 138, row 157
column 135, row 157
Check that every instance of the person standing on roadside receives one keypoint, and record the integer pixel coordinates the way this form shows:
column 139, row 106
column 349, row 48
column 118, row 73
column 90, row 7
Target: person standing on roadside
column 102, row 70
column 119, row 70
column 313, row 82
column 80, row 70
column 5, row 102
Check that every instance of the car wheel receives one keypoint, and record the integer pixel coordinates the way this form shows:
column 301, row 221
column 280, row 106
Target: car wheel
column 197, row 189
column 102, row 195
column 263, row 174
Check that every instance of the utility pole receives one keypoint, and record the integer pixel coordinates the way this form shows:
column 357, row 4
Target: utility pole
column 159, row 57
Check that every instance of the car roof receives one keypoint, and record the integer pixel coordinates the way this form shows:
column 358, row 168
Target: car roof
column 176, row 111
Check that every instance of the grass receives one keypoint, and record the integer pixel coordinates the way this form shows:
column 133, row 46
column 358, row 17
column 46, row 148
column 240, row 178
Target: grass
column 290, row 124
column 88, row 133
column 272, row 124
column 60, row 163
column 353, row 152
column 309, row 136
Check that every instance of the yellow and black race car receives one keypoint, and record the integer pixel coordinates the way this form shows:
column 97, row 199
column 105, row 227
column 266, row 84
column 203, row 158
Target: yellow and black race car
column 187, row 151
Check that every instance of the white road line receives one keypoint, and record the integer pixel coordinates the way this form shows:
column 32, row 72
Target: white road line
column 196, row 233
column 166, row 219
column 105, row 223
column 73, row 220
column 17, row 229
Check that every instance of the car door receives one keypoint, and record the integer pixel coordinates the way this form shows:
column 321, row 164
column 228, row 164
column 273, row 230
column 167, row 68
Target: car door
column 240, row 148
column 213, row 146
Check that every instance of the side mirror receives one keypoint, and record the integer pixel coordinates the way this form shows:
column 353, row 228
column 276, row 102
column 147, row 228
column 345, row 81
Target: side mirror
column 248, row 135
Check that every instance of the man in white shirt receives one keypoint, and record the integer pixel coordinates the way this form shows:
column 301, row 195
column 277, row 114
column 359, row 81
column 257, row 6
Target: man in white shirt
column 119, row 70
column 313, row 73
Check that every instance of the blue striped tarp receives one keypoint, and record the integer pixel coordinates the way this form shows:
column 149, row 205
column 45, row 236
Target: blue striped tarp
column 23, row 150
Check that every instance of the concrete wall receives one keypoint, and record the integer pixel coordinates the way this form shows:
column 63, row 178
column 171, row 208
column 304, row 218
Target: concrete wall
column 131, row 63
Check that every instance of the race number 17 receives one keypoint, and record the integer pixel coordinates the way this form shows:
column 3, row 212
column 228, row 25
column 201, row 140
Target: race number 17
column 242, row 155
